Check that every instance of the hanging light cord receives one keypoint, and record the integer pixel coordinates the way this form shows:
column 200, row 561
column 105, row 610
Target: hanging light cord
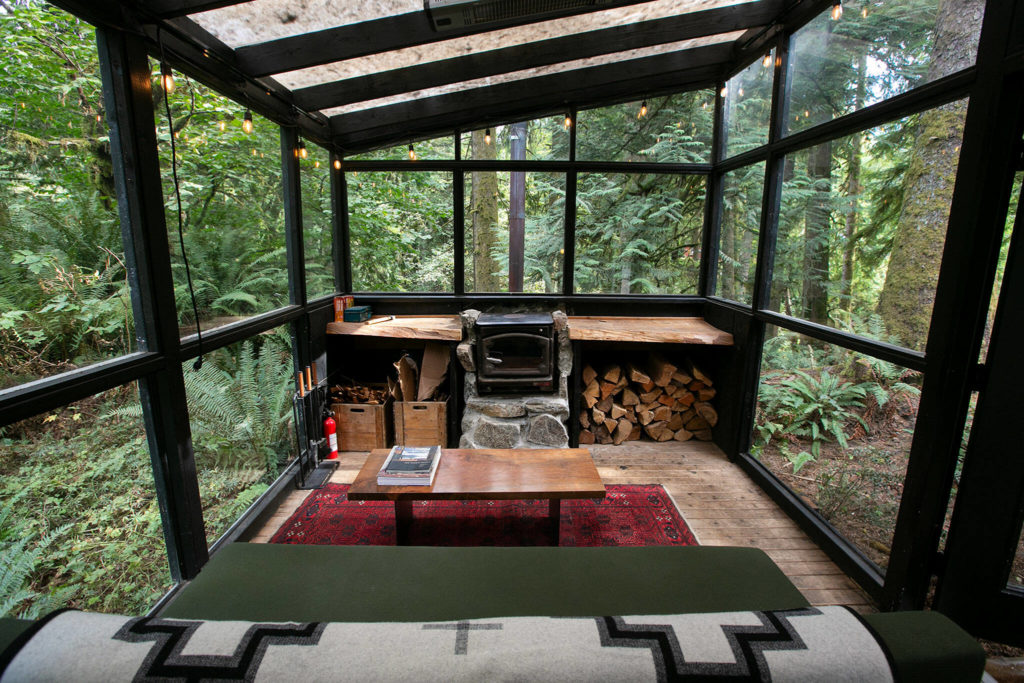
column 177, row 196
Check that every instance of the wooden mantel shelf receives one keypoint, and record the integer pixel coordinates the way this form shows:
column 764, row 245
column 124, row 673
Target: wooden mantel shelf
column 583, row 328
column 429, row 327
column 655, row 330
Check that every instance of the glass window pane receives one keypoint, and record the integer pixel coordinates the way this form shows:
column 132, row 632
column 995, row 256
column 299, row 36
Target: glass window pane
column 438, row 148
column 742, row 192
column 400, row 231
column 1004, row 250
column 748, row 106
column 317, row 224
column 537, row 140
column 64, row 291
column 874, row 51
column 673, row 129
column 500, row 204
column 862, row 227
column 835, row 426
column 240, row 412
column 78, row 507
column 232, row 210
column 638, row 233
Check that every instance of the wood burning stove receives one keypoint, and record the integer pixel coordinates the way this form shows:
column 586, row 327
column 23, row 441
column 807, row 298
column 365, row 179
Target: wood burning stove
column 515, row 353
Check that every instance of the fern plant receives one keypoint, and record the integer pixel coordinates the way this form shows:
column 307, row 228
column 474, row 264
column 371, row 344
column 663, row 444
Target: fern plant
column 18, row 560
column 815, row 408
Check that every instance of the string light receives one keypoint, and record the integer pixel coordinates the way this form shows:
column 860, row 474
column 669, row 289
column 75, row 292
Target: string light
column 166, row 78
column 487, row 136
column 724, row 91
column 337, row 164
column 316, row 164
column 568, row 121
column 767, row 61
column 643, row 110
column 254, row 152
column 412, row 153
column 302, row 151
column 99, row 118
column 864, row 12
column 247, row 122
column 223, row 126
column 837, row 10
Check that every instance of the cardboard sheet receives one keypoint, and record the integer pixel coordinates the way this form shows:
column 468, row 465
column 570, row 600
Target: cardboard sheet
column 435, row 368
column 407, row 378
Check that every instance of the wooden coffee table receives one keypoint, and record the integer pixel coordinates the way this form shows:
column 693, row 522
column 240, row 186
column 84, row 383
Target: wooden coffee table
column 486, row 474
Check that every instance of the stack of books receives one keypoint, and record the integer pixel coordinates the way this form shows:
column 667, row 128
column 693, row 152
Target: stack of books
column 409, row 466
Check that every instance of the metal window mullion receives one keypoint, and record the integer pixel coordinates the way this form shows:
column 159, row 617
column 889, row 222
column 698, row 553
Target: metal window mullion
column 340, row 226
column 569, row 228
column 459, row 221
column 128, row 97
column 712, row 207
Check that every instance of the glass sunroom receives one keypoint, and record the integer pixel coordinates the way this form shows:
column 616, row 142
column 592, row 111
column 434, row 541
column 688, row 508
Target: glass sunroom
column 832, row 190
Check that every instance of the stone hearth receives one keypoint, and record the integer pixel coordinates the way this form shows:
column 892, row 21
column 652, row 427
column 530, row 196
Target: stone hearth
column 515, row 420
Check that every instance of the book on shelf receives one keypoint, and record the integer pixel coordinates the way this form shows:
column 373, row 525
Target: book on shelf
column 409, row 466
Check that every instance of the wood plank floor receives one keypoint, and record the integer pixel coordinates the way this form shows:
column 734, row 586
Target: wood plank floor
column 718, row 500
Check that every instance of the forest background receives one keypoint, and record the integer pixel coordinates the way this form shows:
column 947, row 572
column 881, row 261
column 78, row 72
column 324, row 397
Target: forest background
column 859, row 239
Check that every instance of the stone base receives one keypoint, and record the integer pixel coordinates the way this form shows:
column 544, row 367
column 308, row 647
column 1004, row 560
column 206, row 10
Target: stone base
column 521, row 420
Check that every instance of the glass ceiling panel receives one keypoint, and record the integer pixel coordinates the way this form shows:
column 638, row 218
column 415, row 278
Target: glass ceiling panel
column 258, row 21
column 532, row 73
column 262, row 20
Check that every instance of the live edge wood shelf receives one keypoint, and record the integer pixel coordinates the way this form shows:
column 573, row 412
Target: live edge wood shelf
column 581, row 328
column 654, row 330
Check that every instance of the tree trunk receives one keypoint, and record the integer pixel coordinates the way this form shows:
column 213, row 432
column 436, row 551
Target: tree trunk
column 483, row 211
column 909, row 291
column 814, row 295
column 853, row 191
column 727, row 276
column 517, row 210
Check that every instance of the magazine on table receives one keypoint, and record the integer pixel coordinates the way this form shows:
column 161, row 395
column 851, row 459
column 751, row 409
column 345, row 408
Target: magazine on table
column 409, row 466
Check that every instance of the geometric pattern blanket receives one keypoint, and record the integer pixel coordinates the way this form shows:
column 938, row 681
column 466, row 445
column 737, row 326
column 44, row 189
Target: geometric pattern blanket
column 807, row 644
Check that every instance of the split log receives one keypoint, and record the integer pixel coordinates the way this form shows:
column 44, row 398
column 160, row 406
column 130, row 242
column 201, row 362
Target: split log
column 592, row 393
column 622, row 431
column 651, row 395
column 589, row 374
column 663, row 413
column 706, row 394
column 605, row 405
column 586, row 437
column 702, row 435
column 666, row 400
column 635, row 434
column 631, row 416
column 647, row 386
column 629, row 398
column 636, row 374
column 646, row 417
column 697, row 374
column 675, row 423
column 708, row 412
column 681, row 435
column 610, row 424
column 607, row 389
column 612, row 373
column 660, row 370
column 696, row 385
column 598, row 415
column 686, row 399
column 617, row 411
column 601, row 434
column 681, row 378
column 655, row 429
column 697, row 423
column 585, row 419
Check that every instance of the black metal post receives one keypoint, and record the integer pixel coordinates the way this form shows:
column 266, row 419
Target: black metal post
column 569, row 242
column 136, row 165
column 459, row 221
column 517, row 209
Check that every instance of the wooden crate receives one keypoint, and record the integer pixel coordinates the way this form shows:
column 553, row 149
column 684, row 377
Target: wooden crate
column 421, row 423
column 363, row 426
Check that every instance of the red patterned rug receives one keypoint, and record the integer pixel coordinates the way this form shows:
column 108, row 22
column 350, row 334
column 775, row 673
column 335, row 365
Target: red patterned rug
column 630, row 515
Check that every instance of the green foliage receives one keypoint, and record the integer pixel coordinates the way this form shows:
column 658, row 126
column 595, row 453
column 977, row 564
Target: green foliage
column 18, row 559
column 815, row 408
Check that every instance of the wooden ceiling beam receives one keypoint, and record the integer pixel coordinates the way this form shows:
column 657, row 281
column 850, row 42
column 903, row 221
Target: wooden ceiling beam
column 649, row 76
column 370, row 37
column 537, row 54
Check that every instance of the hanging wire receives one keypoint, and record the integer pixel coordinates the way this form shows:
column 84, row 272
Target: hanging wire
column 177, row 196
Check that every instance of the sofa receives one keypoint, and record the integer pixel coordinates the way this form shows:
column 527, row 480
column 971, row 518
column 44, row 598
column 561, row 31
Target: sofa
column 374, row 586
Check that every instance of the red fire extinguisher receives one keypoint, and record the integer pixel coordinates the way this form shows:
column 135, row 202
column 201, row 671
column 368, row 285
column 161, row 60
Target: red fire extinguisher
column 331, row 433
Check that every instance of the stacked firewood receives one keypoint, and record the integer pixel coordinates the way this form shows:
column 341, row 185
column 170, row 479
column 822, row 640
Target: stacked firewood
column 358, row 394
column 655, row 400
